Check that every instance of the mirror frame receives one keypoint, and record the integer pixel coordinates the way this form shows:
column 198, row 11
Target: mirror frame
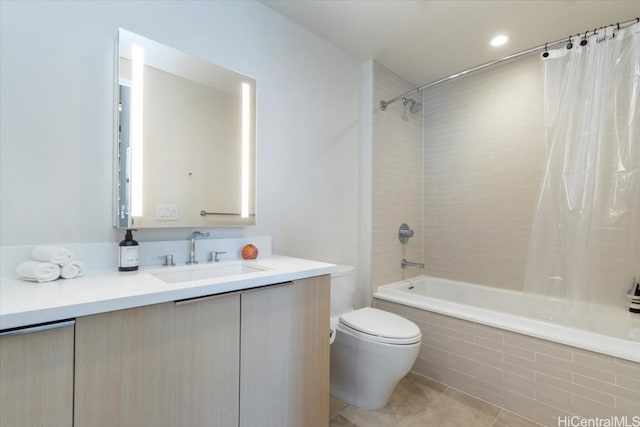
column 122, row 186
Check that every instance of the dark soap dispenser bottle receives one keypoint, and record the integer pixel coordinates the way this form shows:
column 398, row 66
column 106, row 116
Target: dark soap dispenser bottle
column 634, row 305
column 128, row 253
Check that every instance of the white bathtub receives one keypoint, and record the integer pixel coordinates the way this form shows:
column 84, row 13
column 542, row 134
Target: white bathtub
column 604, row 329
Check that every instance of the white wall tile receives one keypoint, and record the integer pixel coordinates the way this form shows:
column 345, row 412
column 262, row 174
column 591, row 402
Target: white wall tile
column 396, row 181
column 484, row 159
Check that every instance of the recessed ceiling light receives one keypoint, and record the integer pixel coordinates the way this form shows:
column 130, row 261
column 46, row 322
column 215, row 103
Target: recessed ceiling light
column 499, row 40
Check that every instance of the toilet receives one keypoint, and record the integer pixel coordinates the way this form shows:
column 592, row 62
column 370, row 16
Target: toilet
column 371, row 350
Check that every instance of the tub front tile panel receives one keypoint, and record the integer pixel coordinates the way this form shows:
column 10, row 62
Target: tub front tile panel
column 534, row 378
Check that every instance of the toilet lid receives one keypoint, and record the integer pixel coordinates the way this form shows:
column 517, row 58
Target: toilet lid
column 382, row 326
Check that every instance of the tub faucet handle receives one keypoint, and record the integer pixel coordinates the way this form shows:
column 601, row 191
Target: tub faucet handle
column 404, row 233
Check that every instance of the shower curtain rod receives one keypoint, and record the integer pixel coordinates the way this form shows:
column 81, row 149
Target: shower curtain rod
column 620, row 25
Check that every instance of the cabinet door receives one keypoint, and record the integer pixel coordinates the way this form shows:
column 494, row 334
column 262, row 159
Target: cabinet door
column 171, row 364
column 284, row 368
column 36, row 377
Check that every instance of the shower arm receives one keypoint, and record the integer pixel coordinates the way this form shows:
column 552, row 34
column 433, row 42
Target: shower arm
column 384, row 104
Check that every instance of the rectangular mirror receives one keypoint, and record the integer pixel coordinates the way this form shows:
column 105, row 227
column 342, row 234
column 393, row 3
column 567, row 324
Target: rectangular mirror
column 185, row 139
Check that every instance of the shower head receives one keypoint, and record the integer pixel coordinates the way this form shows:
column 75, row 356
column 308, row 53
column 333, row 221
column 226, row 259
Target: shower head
column 414, row 106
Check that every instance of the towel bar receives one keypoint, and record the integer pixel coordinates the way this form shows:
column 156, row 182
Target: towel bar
column 204, row 213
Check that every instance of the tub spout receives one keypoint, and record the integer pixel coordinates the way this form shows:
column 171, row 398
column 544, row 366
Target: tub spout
column 404, row 263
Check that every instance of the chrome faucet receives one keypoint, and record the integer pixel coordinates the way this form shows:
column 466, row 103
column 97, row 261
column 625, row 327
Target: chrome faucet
column 404, row 263
column 192, row 245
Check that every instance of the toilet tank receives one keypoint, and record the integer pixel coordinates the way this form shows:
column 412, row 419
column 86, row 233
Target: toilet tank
column 343, row 290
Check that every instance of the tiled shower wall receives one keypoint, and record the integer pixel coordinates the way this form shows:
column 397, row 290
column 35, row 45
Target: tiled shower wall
column 483, row 164
column 537, row 379
column 484, row 159
column 396, row 180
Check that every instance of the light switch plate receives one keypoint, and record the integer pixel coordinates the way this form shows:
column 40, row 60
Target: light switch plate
column 167, row 212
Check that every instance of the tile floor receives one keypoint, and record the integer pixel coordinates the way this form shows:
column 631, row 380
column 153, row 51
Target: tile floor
column 421, row 402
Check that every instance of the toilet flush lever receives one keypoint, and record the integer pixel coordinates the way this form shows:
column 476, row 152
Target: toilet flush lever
column 404, row 233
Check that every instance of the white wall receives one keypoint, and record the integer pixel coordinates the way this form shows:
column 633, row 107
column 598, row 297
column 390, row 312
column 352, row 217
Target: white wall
column 56, row 115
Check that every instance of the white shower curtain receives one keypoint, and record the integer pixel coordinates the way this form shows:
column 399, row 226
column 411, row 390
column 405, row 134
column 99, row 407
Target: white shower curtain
column 585, row 238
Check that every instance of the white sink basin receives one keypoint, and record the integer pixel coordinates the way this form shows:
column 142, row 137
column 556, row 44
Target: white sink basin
column 190, row 273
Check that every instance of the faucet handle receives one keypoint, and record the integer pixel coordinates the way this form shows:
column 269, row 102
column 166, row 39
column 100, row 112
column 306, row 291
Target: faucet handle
column 213, row 255
column 168, row 259
column 404, row 233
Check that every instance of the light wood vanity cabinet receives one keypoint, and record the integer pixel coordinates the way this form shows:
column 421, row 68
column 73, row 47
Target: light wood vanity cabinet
column 252, row 358
column 36, row 376
column 171, row 364
column 284, row 368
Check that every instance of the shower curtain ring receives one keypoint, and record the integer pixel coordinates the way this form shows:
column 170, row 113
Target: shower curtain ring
column 546, row 53
column 569, row 45
column 584, row 42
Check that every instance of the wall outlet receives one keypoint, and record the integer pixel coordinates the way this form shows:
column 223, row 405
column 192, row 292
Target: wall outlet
column 165, row 212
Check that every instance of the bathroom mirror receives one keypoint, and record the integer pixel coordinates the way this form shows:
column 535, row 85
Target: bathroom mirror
column 185, row 139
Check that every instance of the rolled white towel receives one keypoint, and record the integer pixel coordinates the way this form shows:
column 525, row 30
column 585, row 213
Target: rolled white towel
column 54, row 254
column 36, row 271
column 72, row 270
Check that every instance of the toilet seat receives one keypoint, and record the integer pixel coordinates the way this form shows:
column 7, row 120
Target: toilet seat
column 380, row 326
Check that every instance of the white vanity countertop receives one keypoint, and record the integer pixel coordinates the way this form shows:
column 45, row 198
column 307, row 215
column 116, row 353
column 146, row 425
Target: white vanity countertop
column 27, row 303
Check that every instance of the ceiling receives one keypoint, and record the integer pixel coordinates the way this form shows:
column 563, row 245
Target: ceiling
column 424, row 40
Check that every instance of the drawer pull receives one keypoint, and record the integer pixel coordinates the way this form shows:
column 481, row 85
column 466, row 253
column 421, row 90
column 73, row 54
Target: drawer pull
column 37, row 328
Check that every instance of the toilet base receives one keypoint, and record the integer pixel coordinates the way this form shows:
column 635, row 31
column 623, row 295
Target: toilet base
column 365, row 373
column 364, row 399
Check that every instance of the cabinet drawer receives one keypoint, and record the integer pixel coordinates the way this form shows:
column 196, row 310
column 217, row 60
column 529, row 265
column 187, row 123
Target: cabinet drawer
column 36, row 372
